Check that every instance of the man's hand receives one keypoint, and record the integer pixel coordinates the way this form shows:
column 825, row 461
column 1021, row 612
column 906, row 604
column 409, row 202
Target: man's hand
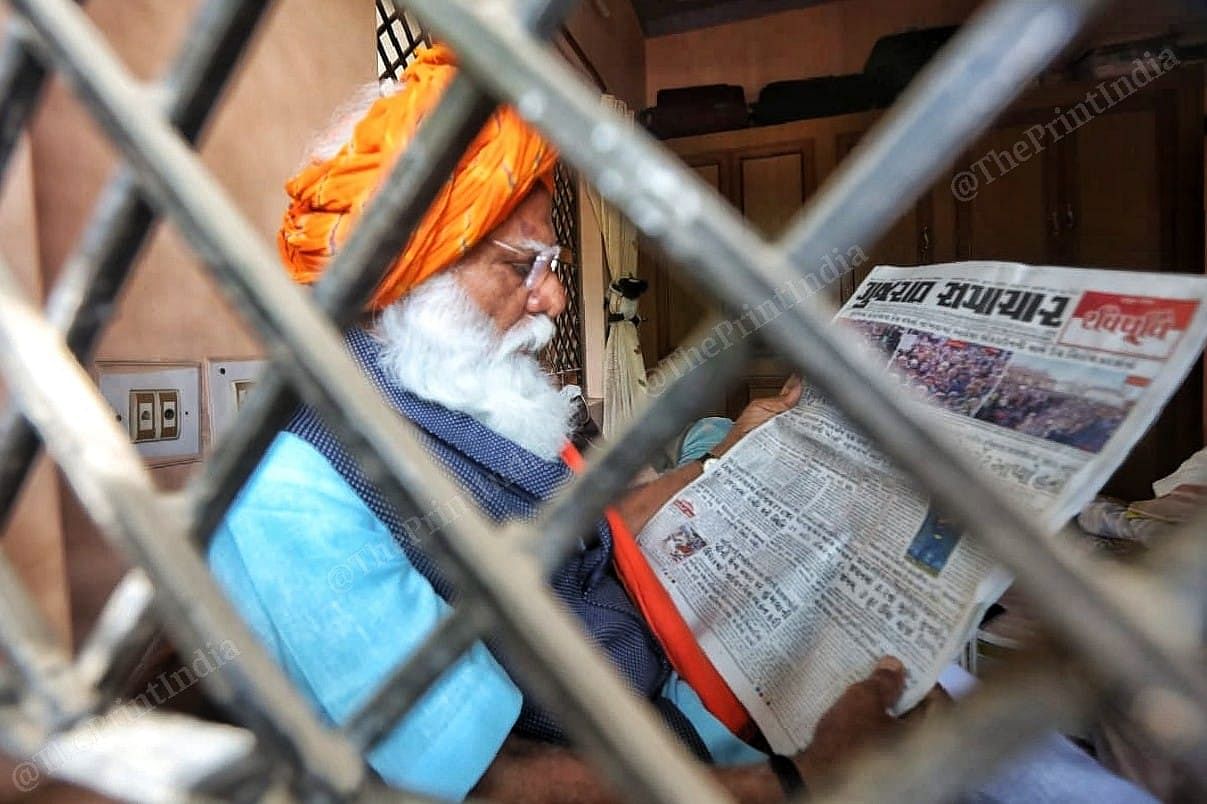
column 641, row 502
column 759, row 411
column 856, row 719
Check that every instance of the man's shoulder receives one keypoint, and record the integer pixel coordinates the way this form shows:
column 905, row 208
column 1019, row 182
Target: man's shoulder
column 295, row 476
column 293, row 460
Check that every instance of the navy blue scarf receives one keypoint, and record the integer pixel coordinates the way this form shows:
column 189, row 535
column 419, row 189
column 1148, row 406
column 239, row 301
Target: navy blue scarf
column 509, row 482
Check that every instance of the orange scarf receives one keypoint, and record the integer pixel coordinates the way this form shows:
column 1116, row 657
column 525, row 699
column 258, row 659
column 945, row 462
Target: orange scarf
column 502, row 164
column 668, row 625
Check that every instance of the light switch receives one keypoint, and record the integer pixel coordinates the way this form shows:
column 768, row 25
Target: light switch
column 242, row 389
column 229, row 384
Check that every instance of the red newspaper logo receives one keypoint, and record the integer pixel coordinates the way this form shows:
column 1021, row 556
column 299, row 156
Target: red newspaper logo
column 1144, row 326
column 686, row 507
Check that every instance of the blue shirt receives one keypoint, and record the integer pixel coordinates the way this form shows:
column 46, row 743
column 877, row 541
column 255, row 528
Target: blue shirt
column 326, row 588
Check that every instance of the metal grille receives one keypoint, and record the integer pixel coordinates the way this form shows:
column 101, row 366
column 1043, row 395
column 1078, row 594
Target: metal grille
column 563, row 357
column 399, row 36
column 1124, row 637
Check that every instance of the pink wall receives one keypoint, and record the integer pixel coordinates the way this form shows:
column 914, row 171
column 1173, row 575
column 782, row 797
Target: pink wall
column 306, row 60
column 33, row 540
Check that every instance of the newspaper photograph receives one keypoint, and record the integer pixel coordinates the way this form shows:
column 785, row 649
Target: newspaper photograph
column 805, row 555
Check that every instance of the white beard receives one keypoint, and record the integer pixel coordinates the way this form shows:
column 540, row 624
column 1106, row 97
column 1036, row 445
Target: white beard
column 440, row 346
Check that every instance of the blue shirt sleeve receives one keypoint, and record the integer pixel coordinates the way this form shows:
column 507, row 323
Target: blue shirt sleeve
column 333, row 597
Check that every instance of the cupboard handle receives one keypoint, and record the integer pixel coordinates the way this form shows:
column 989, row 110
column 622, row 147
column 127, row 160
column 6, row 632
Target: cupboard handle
column 1070, row 217
column 1054, row 218
column 925, row 241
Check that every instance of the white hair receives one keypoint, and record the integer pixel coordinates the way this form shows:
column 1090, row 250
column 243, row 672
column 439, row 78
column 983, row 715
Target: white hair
column 440, row 346
column 326, row 143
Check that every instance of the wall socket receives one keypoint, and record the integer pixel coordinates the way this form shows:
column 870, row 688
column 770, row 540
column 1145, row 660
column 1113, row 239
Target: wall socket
column 158, row 404
column 154, row 415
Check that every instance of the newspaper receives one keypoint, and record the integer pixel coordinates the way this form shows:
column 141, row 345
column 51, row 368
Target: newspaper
column 804, row 555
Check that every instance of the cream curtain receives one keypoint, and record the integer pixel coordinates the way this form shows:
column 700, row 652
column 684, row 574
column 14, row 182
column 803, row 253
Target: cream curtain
column 624, row 366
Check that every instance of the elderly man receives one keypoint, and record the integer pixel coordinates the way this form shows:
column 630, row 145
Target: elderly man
column 451, row 346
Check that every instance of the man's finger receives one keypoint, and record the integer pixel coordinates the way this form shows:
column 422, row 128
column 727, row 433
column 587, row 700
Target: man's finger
column 888, row 680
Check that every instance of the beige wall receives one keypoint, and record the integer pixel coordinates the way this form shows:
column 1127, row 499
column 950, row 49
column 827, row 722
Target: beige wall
column 305, row 61
column 835, row 39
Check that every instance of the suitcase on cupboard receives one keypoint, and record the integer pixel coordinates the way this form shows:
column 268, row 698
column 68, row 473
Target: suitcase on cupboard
column 686, row 111
column 896, row 59
column 804, row 99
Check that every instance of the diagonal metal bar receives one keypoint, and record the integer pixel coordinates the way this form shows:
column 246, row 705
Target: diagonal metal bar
column 691, row 223
column 21, row 81
column 572, row 514
column 552, row 655
column 109, row 478
column 986, row 66
column 403, row 688
column 20, row 734
column 125, row 628
column 29, row 645
column 83, row 299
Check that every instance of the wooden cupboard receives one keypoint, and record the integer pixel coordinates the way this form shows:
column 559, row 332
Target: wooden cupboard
column 1121, row 186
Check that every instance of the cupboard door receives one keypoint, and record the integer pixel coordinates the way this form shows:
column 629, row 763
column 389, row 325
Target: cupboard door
column 1119, row 196
column 1006, row 199
column 773, row 183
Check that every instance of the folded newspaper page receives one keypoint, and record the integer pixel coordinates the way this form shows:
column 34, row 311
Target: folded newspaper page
column 805, row 554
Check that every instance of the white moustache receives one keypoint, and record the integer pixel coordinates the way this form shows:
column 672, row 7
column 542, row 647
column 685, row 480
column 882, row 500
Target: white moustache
column 528, row 336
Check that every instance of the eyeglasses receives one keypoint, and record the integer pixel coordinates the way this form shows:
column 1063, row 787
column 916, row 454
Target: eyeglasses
column 536, row 265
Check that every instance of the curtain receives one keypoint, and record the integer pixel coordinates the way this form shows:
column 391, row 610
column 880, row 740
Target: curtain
column 624, row 366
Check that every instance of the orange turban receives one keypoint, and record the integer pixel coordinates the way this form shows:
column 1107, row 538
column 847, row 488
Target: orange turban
column 501, row 166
